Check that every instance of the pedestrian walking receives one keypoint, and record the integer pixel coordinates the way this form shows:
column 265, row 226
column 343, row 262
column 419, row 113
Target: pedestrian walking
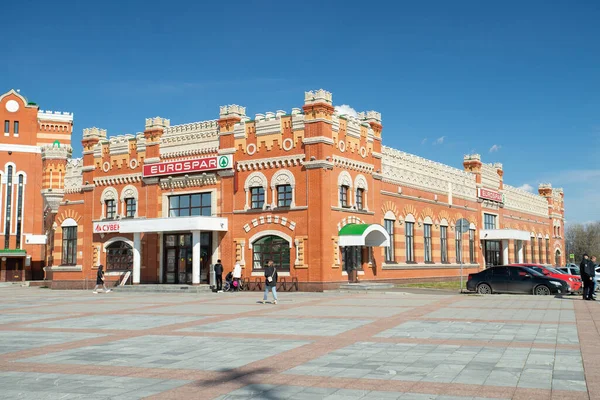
column 237, row 275
column 100, row 280
column 270, row 281
column 587, row 276
column 219, row 276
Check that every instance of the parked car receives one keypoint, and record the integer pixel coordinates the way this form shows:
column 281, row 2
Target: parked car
column 515, row 279
column 573, row 269
column 574, row 281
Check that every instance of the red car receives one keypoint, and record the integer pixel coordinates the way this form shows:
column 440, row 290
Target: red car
column 574, row 281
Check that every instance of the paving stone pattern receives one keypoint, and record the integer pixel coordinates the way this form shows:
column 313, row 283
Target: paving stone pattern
column 493, row 331
column 392, row 345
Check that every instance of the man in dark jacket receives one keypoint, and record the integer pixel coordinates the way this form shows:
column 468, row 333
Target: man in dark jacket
column 587, row 269
column 219, row 275
column 270, row 281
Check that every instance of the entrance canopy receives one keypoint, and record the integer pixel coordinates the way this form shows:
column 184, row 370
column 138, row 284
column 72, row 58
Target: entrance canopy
column 173, row 224
column 504, row 234
column 371, row 235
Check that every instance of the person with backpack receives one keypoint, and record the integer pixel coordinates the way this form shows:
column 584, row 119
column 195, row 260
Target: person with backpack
column 270, row 281
column 219, row 276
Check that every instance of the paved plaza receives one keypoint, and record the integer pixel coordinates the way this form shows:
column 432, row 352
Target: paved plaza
column 384, row 345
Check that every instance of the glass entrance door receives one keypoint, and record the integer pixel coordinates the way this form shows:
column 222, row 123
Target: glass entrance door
column 493, row 249
column 178, row 258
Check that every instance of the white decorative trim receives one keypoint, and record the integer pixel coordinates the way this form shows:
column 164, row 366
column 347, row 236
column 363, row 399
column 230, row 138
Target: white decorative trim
column 47, row 115
column 317, row 140
column 295, row 160
column 109, row 193
column 341, row 146
column 289, row 145
column 255, row 179
column 363, row 152
column 409, row 218
column 188, row 181
column 129, row 192
column 20, row 148
column 269, row 232
column 106, row 166
column 117, row 179
column 251, row 149
column 282, row 177
column 68, row 223
column 133, row 163
column 347, row 163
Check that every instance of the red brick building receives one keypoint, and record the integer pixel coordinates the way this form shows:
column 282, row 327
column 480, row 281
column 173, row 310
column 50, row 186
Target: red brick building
column 312, row 189
column 31, row 140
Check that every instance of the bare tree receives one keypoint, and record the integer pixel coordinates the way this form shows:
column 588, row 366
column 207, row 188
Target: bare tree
column 583, row 238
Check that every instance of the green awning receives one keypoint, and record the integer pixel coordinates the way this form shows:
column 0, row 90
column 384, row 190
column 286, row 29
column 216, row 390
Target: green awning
column 371, row 235
column 12, row 253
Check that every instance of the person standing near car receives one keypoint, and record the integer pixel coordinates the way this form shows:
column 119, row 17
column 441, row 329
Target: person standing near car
column 584, row 267
column 219, row 276
column 592, row 274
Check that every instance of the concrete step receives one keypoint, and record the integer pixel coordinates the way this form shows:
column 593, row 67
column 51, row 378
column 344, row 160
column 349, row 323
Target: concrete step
column 366, row 286
column 162, row 289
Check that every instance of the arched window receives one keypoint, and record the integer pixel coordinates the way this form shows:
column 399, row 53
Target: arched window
column 256, row 191
column 360, row 183
column 409, row 234
column 119, row 256
column 344, row 190
column 557, row 260
column 109, row 200
column 129, row 200
column 69, row 242
column 388, row 223
column 283, row 187
column 271, row 247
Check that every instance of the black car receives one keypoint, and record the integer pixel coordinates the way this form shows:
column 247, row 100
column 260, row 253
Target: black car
column 509, row 279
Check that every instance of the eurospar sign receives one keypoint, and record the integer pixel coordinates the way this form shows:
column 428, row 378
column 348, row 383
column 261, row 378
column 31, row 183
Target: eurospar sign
column 189, row 166
column 106, row 227
column 490, row 195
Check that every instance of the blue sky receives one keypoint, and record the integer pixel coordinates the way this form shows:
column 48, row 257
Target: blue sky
column 449, row 77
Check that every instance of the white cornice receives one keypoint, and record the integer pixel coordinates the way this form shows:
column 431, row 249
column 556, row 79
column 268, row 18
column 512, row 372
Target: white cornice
column 348, row 163
column 273, row 162
column 20, row 148
column 317, row 139
column 117, row 179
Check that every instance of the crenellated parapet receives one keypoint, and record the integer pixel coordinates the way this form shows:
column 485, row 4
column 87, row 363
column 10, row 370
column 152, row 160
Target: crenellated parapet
column 55, row 116
column 318, row 96
column 196, row 138
column 56, row 152
column 491, row 177
column 74, row 175
column 524, row 201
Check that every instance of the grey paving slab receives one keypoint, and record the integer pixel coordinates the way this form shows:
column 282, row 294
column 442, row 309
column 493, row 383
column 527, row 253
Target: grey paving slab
column 6, row 318
column 35, row 386
column 387, row 302
column 11, row 341
column 97, row 306
column 175, row 352
column 515, row 367
column 267, row 392
column 515, row 302
column 282, row 326
column 337, row 311
column 117, row 321
column 494, row 331
column 511, row 314
column 204, row 309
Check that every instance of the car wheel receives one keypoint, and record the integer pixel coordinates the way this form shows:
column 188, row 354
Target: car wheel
column 541, row 290
column 484, row 288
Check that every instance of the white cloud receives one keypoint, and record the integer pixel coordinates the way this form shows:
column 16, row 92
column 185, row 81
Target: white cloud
column 439, row 140
column 495, row 148
column 345, row 109
column 527, row 187
column 424, row 141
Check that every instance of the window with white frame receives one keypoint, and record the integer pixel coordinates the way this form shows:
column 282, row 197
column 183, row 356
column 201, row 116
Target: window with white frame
column 360, row 197
column 69, row 242
column 344, row 196
column 389, row 251
column 489, row 221
column 111, row 209
column 472, row 246
column 129, row 197
column 409, row 235
column 257, row 196
column 360, row 183
column 283, row 185
column 428, row 247
column 130, row 207
column 444, row 243
column 256, row 189
column 344, row 188
column 109, row 200
column 284, row 195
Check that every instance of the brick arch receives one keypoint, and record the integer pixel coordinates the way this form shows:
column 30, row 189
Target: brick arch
column 68, row 214
column 270, row 220
column 427, row 212
column 410, row 209
column 349, row 220
column 444, row 214
column 457, row 216
column 390, row 206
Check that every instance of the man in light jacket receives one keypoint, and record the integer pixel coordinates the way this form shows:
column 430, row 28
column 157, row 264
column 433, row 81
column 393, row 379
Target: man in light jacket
column 237, row 275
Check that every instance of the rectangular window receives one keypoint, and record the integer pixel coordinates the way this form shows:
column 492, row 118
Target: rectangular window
column 284, row 195
column 410, row 244
column 517, row 246
column 19, row 210
column 540, row 252
column 257, row 195
column 444, row 243
column 8, row 215
column 190, row 205
column 111, row 209
column 130, row 206
column 489, row 221
column 389, row 251
column 548, row 252
column 472, row 246
column 533, row 249
column 360, row 194
column 69, row 245
column 16, row 128
column 427, row 235
column 6, row 126
column 344, row 196
column 525, row 253
column 458, row 244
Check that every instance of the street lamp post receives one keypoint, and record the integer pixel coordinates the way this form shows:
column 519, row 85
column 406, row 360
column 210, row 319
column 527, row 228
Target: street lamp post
column 462, row 226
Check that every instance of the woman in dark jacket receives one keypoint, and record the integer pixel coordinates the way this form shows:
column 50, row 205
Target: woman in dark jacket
column 100, row 280
column 270, row 281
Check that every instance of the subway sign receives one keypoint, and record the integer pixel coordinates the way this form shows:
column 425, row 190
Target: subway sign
column 189, row 166
column 490, row 195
